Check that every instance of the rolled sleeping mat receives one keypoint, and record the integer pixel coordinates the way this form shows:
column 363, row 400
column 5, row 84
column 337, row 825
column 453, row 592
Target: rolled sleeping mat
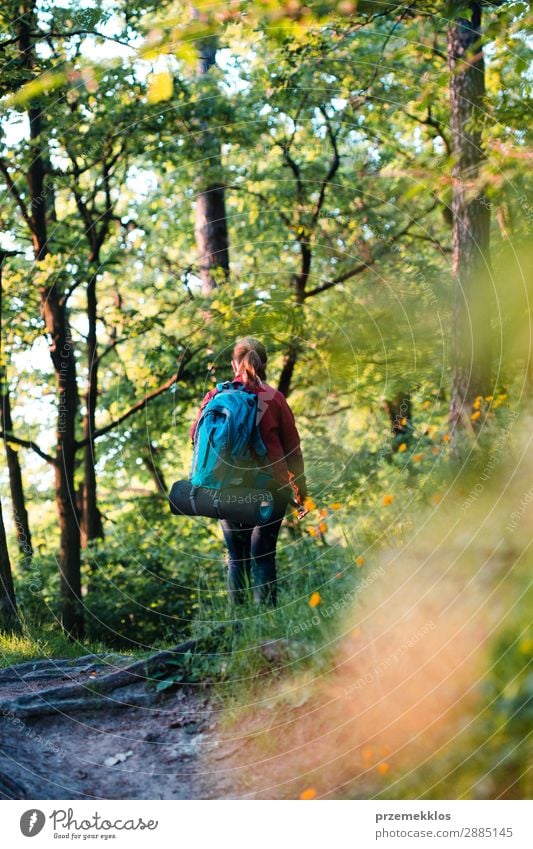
column 239, row 504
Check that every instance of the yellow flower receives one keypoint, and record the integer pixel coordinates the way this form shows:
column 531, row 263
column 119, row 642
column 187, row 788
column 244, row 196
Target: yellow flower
column 315, row 600
column 437, row 498
column 489, row 397
column 336, row 505
column 417, row 458
column 446, row 437
column 388, row 499
column 403, row 447
column 360, row 561
column 308, row 793
column 313, row 532
column 383, row 768
column 324, row 511
column 403, row 422
column 322, row 527
column 309, row 503
column 475, row 416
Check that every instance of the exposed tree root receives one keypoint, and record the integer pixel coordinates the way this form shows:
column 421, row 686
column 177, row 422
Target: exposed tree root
column 88, row 694
column 35, row 670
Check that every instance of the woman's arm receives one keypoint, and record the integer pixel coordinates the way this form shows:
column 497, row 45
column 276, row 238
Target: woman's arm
column 290, row 439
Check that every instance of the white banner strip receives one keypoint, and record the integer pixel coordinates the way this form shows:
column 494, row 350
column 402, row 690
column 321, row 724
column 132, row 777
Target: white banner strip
column 264, row 824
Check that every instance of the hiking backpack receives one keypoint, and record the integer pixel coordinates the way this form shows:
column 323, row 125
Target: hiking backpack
column 226, row 439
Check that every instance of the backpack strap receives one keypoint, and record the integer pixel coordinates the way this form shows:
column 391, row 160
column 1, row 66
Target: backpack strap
column 216, row 505
column 232, row 384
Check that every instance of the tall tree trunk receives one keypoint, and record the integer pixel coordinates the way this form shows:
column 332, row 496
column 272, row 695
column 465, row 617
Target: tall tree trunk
column 62, row 353
column 289, row 364
column 55, row 315
column 294, row 346
column 471, row 220
column 211, row 227
column 91, row 517
column 20, row 514
column 9, row 620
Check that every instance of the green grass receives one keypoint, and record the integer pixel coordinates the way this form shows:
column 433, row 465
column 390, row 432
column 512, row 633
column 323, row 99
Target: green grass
column 37, row 642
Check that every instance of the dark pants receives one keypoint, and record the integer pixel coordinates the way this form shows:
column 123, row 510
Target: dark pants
column 252, row 555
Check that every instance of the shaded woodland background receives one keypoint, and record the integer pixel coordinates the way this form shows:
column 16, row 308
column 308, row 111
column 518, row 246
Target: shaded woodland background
column 350, row 183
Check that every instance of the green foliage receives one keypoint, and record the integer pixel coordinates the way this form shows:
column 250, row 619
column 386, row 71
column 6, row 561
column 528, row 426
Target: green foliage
column 143, row 589
column 37, row 591
column 37, row 642
column 328, row 127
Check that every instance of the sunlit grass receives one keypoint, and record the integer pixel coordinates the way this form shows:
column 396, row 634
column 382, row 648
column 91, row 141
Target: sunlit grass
column 38, row 642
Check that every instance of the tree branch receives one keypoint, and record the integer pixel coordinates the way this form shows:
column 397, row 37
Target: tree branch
column 39, row 34
column 444, row 249
column 352, row 272
column 295, row 168
column 364, row 94
column 27, row 443
column 70, row 290
column 332, row 170
column 358, row 269
column 430, row 121
column 85, row 215
column 329, row 413
column 117, row 340
column 285, row 218
column 13, row 191
column 76, row 32
column 140, row 405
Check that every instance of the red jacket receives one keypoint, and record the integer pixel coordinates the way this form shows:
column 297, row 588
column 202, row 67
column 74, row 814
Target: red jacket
column 278, row 431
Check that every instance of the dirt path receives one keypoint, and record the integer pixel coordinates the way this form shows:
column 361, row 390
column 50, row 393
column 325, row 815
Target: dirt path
column 138, row 745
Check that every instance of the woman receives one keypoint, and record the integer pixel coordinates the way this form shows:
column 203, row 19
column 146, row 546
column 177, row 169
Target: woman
column 252, row 550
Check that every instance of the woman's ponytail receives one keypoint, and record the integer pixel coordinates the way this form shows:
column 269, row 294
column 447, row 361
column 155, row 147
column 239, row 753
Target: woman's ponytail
column 252, row 367
column 251, row 357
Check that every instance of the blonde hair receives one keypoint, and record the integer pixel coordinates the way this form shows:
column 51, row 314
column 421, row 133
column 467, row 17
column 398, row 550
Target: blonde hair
column 251, row 357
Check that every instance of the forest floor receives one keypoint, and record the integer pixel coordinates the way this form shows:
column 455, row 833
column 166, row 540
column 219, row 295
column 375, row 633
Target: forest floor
column 138, row 744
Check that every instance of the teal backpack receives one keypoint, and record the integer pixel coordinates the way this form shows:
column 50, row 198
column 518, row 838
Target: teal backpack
column 226, row 439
